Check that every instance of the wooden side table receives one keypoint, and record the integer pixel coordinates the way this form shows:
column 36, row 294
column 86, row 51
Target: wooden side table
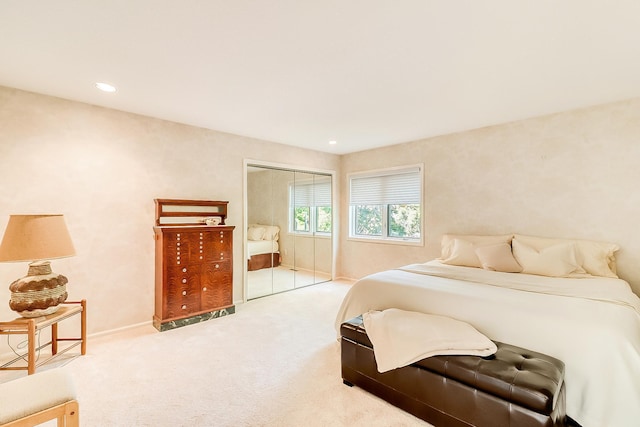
column 29, row 327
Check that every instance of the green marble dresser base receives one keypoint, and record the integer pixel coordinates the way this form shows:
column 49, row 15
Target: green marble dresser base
column 173, row 324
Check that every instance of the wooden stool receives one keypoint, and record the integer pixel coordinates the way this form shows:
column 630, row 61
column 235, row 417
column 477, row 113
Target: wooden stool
column 35, row 399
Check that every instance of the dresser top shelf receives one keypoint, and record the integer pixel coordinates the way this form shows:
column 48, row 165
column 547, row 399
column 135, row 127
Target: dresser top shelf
column 190, row 226
column 182, row 212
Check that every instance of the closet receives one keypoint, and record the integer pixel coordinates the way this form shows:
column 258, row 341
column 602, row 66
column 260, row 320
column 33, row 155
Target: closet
column 288, row 240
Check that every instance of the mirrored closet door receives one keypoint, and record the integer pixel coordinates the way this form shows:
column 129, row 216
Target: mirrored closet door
column 289, row 233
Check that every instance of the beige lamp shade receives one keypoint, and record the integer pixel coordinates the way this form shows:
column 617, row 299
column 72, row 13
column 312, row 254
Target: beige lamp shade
column 36, row 237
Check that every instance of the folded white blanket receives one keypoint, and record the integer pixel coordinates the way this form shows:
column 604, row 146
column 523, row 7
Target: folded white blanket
column 402, row 337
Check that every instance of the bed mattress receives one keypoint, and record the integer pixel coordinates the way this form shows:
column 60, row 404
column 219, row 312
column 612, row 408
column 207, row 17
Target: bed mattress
column 591, row 324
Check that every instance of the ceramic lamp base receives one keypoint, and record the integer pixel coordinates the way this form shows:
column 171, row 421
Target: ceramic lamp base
column 39, row 293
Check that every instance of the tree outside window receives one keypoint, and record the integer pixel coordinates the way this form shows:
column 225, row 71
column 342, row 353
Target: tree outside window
column 310, row 207
column 301, row 219
column 404, row 221
column 387, row 204
column 368, row 221
column 323, row 221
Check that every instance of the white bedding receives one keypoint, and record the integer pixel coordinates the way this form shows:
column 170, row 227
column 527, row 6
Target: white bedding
column 400, row 337
column 592, row 324
column 257, row 247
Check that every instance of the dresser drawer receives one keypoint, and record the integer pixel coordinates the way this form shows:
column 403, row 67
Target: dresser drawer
column 217, row 285
column 182, row 299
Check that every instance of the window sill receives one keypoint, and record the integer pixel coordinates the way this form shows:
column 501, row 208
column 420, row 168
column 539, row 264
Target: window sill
column 387, row 241
column 309, row 235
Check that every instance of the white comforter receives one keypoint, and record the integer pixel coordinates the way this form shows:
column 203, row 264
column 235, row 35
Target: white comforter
column 592, row 324
column 258, row 247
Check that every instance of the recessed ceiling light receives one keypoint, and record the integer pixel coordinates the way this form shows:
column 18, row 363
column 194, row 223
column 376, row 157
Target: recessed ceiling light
column 333, row 142
column 105, row 87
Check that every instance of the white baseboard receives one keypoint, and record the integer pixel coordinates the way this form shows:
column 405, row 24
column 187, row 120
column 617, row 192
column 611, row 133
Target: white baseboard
column 121, row 329
column 346, row 279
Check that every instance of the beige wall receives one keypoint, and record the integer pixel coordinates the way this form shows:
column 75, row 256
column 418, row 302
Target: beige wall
column 102, row 168
column 573, row 174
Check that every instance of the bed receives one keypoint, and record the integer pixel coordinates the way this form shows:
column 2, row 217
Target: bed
column 554, row 304
column 263, row 248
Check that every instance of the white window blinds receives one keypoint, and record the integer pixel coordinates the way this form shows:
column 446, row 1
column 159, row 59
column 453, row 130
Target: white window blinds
column 389, row 187
column 312, row 194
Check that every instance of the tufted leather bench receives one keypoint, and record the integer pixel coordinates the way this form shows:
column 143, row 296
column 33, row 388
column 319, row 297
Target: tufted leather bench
column 514, row 387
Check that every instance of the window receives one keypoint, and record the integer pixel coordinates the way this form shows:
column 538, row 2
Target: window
column 310, row 207
column 386, row 204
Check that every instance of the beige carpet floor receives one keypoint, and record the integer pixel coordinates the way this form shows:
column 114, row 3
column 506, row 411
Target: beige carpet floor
column 276, row 362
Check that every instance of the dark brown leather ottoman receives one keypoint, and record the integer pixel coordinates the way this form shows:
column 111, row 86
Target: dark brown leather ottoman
column 515, row 387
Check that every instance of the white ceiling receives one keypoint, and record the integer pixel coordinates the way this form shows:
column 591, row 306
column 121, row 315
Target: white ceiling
column 365, row 73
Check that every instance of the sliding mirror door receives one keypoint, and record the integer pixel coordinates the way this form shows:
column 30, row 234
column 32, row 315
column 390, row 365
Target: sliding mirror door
column 267, row 225
column 288, row 240
column 310, row 226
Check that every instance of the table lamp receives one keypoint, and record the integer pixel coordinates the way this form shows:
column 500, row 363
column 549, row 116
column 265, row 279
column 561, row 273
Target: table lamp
column 37, row 238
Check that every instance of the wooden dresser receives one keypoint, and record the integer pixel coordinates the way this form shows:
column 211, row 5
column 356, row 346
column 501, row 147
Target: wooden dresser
column 194, row 262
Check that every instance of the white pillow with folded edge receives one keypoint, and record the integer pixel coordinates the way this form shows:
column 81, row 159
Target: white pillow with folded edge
column 463, row 253
column 402, row 337
column 271, row 232
column 459, row 249
column 598, row 258
column 595, row 258
column 255, row 233
column 554, row 261
column 498, row 258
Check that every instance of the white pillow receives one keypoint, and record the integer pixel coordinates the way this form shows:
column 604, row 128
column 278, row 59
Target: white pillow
column 555, row 261
column 595, row 258
column 448, row 240
column 461, row 249
column 271, row 232
column 598, row 257
column 498, row 258
column 255, row 233
column 462, row 253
